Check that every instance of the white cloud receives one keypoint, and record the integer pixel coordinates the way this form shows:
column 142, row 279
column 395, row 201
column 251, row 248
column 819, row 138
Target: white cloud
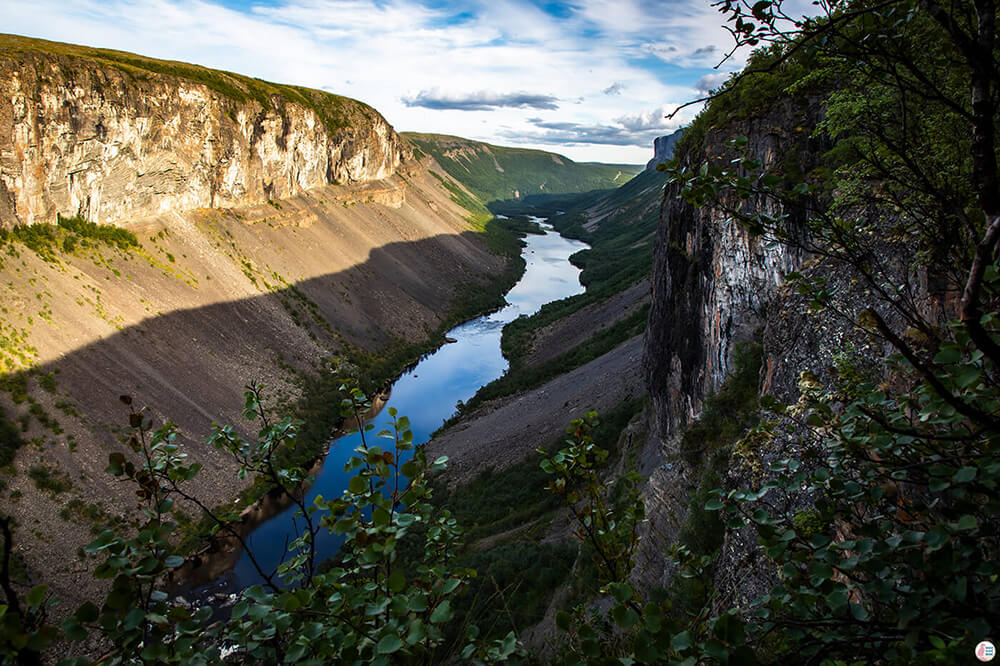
column 710, row 82
column 480, row 100
column 459, row 69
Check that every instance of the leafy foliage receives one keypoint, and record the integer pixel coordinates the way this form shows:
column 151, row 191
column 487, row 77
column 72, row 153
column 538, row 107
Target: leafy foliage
column 365, row 607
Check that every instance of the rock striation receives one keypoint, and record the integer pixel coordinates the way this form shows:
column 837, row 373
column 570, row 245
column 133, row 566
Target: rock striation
column 112, row 137
column 714, row 285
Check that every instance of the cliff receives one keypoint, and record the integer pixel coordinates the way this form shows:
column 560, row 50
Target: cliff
column 268, row 228
column 717, row 286
column 663, row 149
column 112, row 136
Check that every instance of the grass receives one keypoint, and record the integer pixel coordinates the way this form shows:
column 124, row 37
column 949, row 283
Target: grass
column 49, row 479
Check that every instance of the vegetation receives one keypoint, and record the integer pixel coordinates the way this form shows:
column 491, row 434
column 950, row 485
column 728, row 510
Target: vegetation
column 726, row 415
column 880, row 528
column 67, row 234
column 10, row 440
column 883, row 539
column 522, row 377
column 373, row 611
column 496, row 173
column 48, row 479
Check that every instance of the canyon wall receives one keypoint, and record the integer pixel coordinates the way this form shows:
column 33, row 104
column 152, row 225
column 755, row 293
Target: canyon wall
column 113, row 137
column 274, row 228
column 714, row 285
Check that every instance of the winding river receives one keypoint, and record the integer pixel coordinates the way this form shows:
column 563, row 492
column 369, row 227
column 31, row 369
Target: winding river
column 427, row 394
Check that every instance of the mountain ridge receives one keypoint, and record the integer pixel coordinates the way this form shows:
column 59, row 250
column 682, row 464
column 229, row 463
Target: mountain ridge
column 497, row 173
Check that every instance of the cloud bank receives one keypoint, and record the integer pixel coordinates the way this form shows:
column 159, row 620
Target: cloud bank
column 589, row 66
column 480, row 101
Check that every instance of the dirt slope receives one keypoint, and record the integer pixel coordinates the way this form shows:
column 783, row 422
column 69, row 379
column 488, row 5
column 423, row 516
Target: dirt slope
column 211, row 300
column 504, row 431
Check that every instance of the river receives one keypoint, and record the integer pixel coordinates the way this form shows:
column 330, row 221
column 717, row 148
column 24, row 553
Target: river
column 427, row 394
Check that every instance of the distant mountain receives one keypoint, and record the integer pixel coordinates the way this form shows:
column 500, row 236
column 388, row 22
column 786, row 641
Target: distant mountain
column 496, row 173
column 663, row 149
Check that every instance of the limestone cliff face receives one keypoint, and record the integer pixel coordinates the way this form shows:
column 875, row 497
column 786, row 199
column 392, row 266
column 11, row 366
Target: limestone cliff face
column 713, row 285
column 113, row 142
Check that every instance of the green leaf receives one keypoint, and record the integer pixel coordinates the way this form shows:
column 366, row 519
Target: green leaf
column 417, row 632
column 967, row 522
column 442, row 613
column 622, row 592
column 388, row 644
column 357, row 485
column 37, row 595
column 624, row 616
column 397, row 581
column 173, row 561
column 947, row 356
column 88, row 612
column 964, row 475
column 714, row 504
column 563, row 620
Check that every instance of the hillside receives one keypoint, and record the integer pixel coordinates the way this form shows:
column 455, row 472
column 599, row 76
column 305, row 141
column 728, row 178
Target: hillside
column 496, row 173
column 173, row 233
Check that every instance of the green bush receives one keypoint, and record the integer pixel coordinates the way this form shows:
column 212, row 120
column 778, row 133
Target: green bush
column 727, row 414
column 48, row 479
column 10, row 440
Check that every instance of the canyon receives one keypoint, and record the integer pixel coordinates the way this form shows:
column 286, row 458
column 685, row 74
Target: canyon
column 274, row 228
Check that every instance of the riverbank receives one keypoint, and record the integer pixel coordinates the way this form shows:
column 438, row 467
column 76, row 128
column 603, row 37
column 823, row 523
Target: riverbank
column 427, row 392
column 319, row 405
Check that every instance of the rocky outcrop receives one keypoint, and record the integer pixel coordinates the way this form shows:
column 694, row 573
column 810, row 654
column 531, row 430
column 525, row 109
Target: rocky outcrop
column 713, row 285
column 663, row 149
column 113, row 137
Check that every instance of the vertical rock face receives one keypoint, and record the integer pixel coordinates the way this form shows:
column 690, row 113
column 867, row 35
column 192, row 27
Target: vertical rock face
column 115, row 140
column 711, row 279
column 712, row 286
column 663, row 149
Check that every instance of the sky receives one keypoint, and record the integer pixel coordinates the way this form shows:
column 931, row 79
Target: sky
column 589, row 79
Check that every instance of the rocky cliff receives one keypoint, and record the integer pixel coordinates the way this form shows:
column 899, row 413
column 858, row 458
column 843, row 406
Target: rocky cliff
column 112, row 136
column 663, row 149
column 271, row 227
column 714, row 285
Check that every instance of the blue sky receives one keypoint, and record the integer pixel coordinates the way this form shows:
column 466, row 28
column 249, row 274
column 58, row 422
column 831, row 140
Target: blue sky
column 591, row 79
